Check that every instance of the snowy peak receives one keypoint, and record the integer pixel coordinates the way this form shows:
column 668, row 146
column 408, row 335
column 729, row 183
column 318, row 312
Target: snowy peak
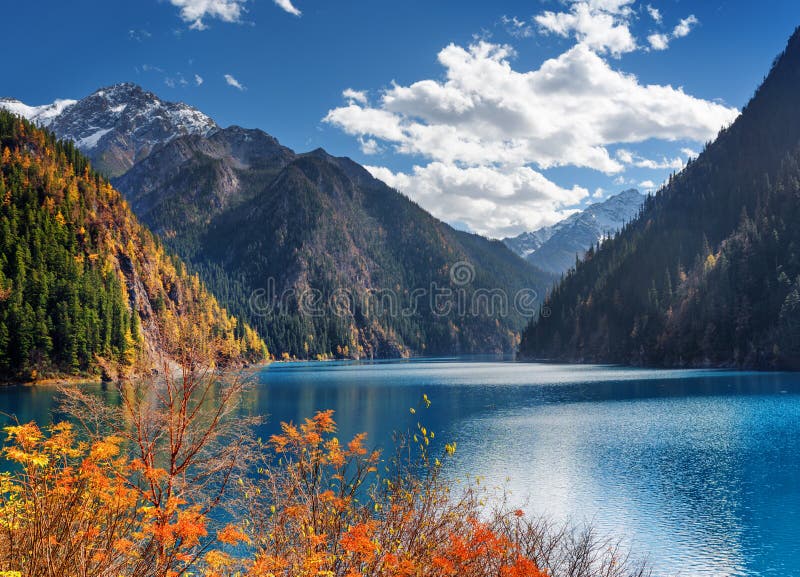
column 609, row 216
column 42, row 115
column 118, row 125
column 130, row 108
column 553, row 248
column 528, row 243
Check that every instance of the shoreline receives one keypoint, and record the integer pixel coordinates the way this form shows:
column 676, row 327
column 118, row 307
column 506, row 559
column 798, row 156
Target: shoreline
column 55, row 380
column 250, row 369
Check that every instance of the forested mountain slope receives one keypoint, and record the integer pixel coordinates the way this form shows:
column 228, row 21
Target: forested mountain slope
column 258, row 220
column 709, row 274
column 83, row 286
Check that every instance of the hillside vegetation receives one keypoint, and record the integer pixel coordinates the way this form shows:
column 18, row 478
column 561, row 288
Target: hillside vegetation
column 321, row 258
column 84, row 287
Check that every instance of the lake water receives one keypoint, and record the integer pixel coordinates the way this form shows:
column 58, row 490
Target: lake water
column 698, row 470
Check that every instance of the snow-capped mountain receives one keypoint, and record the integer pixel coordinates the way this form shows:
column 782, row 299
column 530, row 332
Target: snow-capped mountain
column 528, row 243
column 42, row 115
column 116, row 126
column 553, row 248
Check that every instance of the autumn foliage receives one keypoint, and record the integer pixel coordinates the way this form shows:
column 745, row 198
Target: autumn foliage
column 312, row 506
column 325, row 510
column 167, row 481
column 85, row 289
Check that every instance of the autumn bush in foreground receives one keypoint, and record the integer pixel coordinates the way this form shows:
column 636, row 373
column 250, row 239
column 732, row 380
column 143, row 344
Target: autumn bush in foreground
column 127, row 489
column 317, row 506
column 323, row 510
column 167, row 481
column 313, row 506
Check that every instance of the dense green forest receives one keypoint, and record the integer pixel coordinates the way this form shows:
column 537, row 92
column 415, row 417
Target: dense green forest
column 709, row 273
column 268, row 229
column 83, row 286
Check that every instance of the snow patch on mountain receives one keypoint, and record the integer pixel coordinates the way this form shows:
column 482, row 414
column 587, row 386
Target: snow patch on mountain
column 42, row 115
column 554, row 248
column 90, row 142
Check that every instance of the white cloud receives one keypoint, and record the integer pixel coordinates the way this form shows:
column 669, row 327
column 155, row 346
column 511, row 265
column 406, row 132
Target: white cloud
column 655, row 14
column 621, row 180
column 602, row 25
column 625, row 156
column 482, row 135
column 231, row 81
column 497, row 201
column 676, row 163
column 689, row 153
column 685, row 26
column 659, row 41
column 288, row 6
column 632, row 159
column 369, row 146
column 647, row 185
column 139, row 35
column 356, row 96
column 177, row 80
column 194, row 11
column 516, row 27
column 198, row 80
column 151, row 68
column 605, row 25
column 565, row 113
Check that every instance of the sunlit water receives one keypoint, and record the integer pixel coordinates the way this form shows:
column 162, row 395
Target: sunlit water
column 698, row 470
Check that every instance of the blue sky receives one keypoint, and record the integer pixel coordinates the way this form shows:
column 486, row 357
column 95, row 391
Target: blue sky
column 496, row 116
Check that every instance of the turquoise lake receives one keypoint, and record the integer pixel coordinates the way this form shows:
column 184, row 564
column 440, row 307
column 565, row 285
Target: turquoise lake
column 697, row 470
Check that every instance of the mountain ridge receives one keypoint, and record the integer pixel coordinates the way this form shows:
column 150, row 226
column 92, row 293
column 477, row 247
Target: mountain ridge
column 315, row 222
column 117, row 125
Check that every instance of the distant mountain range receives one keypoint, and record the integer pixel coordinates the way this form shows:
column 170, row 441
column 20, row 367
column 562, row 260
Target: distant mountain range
column 270, row 230
column 709, row 273
column 555, row 248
